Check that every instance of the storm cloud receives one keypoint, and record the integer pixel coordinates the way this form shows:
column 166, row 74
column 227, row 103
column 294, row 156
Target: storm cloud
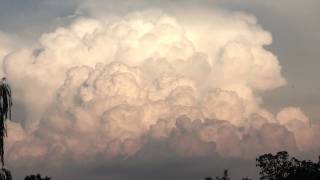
column 116, row 91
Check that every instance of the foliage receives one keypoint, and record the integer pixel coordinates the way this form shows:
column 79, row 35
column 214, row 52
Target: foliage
column 281, row 167
column 245, row 178
column 225, row 176
column 5, row 112
column 5, row 174
column 36, row 177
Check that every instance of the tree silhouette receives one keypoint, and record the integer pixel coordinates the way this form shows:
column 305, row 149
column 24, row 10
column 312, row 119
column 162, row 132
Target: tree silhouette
column 36, row 177
column 225, row 176
column 5, row 174
column 5, row 113
column 280, row 167
column 245, row 178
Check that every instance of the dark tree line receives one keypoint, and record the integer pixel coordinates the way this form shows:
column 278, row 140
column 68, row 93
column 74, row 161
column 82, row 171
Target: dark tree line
column 281, row 167
column 271, row 167
column 36, row 177
column 224, row 177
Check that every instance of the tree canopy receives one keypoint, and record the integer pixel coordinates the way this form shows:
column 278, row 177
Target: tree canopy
column 282, row 167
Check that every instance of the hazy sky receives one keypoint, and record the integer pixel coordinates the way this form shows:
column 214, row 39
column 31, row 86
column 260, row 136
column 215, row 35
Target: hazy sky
column 50, row 48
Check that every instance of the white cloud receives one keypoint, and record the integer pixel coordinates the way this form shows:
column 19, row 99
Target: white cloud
column 108, row 86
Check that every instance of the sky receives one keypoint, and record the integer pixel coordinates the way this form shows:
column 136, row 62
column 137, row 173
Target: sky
column 172, row 89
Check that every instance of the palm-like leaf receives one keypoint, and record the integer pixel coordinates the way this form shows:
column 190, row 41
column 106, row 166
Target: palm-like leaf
column 5, row 113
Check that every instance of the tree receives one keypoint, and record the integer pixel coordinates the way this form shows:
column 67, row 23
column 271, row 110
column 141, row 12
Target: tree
column 280, row 167
column 245, row 178
column 36, row 177
column 305, row 170
column 5, row 113
column 5, row 174
column 225, row 176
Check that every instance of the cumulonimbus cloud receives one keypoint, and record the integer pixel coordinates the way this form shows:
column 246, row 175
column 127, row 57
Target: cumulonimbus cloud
column 112, row 85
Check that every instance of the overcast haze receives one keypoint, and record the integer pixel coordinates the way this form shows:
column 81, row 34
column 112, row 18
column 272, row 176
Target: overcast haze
column 151, row 89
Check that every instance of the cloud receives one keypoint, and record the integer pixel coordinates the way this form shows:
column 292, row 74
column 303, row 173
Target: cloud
column 305, row 132
column 111, row 87
column 6, row 46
